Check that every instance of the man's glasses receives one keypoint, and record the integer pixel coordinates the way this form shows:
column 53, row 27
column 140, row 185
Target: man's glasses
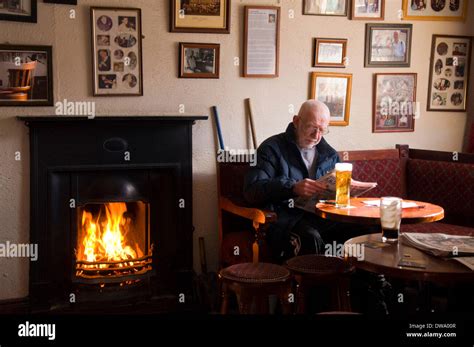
column 323, row 131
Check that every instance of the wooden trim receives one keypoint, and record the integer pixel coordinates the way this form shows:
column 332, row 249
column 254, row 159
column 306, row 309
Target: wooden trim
column 434, row 18
column 313, row 91
column 277, row 55
column 381, row 17
column 175, row 29
column 373, row 154
column 318, row 40
column 422, row 154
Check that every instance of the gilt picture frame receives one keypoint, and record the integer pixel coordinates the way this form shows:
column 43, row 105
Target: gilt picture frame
column 191, row 16
column 334, row 89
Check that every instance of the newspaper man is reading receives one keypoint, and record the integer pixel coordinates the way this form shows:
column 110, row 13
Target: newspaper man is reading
column 328, row 184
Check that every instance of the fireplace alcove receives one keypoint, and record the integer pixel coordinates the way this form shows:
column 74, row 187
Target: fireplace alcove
column 107, row 212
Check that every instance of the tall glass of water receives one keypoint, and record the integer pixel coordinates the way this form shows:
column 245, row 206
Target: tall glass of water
column 343, row 184
column 390, row 218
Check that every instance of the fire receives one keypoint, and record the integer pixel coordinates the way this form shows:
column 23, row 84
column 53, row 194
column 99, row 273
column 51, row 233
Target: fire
column 105, row 235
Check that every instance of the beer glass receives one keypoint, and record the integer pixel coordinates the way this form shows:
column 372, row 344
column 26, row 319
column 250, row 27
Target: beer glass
column 343, row 184
column 390, row 218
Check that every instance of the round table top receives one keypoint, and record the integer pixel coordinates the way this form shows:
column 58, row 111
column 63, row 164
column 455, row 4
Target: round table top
column 384, row 258
column 361, row 213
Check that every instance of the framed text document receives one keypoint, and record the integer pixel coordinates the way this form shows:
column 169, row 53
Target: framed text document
column 261, row 41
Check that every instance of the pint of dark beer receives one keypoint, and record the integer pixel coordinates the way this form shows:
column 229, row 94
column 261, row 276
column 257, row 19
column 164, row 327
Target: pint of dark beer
column 390, row 218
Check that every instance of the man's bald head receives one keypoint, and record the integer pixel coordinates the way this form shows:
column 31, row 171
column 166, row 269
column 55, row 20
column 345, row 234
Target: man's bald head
column 313, row 116
column 313, row 109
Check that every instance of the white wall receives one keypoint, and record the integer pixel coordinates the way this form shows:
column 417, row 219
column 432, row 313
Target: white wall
column 164, row 92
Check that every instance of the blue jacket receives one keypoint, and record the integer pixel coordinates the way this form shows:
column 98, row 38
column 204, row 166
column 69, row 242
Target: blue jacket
column 270, row 183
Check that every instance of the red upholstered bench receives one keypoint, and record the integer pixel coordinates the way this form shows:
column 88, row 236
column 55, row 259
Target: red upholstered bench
column 441, row 178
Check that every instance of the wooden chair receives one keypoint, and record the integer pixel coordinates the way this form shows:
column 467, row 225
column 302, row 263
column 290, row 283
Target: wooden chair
column 314, row 271
column 20, row 79
column 241, row 228
column 253, row 283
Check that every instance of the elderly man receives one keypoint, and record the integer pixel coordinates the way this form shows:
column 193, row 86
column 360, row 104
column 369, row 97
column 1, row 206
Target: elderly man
column 288, row 165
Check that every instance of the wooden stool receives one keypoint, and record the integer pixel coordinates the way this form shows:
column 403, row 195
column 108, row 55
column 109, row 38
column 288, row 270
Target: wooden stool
column 316, row 270
column 257, row 281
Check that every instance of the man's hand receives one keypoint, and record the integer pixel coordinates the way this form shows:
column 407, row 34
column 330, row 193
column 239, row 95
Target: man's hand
column 308, row 187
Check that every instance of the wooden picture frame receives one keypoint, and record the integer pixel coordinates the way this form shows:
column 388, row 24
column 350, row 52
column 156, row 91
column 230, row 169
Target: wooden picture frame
column 316, row 8
column 448, row 89
column 27, row 12
column 267, row 18
column 116, row 46
column 26, row 75
column 191, row 18
column 394, row 102
column 447, row 10
column 388, row 45
column 61, row 2
column 334, row 89
column 329, row 52
column 199, row 60
column 360, row 10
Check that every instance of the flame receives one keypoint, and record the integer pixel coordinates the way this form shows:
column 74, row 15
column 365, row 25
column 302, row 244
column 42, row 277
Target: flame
column 105, row 236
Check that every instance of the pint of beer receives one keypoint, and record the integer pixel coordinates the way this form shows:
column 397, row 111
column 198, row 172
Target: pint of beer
column 343, row 184
column 390, row 218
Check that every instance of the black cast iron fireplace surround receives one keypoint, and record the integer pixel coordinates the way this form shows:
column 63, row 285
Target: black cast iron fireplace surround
column 77, row 161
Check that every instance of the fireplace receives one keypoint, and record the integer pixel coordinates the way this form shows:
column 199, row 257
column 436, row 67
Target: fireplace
column 111, row 211
column 112, row 243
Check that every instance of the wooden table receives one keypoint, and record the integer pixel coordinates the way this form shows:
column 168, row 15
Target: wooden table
column 385, row 261
column 361, row 213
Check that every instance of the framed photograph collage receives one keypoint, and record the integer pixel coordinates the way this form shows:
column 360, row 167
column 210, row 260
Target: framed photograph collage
column 434, row 10
column 395, row 106
column 449, row 73
column 116, row 51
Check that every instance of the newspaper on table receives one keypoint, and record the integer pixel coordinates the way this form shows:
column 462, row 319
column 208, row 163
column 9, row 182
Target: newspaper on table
column 328, row 184
column 441, row 245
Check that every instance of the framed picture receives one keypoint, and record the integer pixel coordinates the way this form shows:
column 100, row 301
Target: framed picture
column 445, row 10
column 395, row 106
column 330, row 52
column 64, row 2
column 367, row 9
column 199, row 60
column 26, row 75
column 388, row 45
column 261, row 41
column 18, row 10
column 197, row 16
column 449, row 73
column 116, row 51
column 334, row 90
column 325, row 7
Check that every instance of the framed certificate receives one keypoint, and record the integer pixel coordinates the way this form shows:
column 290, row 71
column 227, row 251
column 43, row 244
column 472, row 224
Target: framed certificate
column 261, row 41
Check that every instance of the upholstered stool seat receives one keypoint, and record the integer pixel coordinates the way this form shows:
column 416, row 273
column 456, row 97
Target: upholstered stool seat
column 253, row 283
column 315, row 270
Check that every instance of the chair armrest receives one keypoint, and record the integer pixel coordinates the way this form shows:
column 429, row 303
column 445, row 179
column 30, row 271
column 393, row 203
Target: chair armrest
column 256, row 215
